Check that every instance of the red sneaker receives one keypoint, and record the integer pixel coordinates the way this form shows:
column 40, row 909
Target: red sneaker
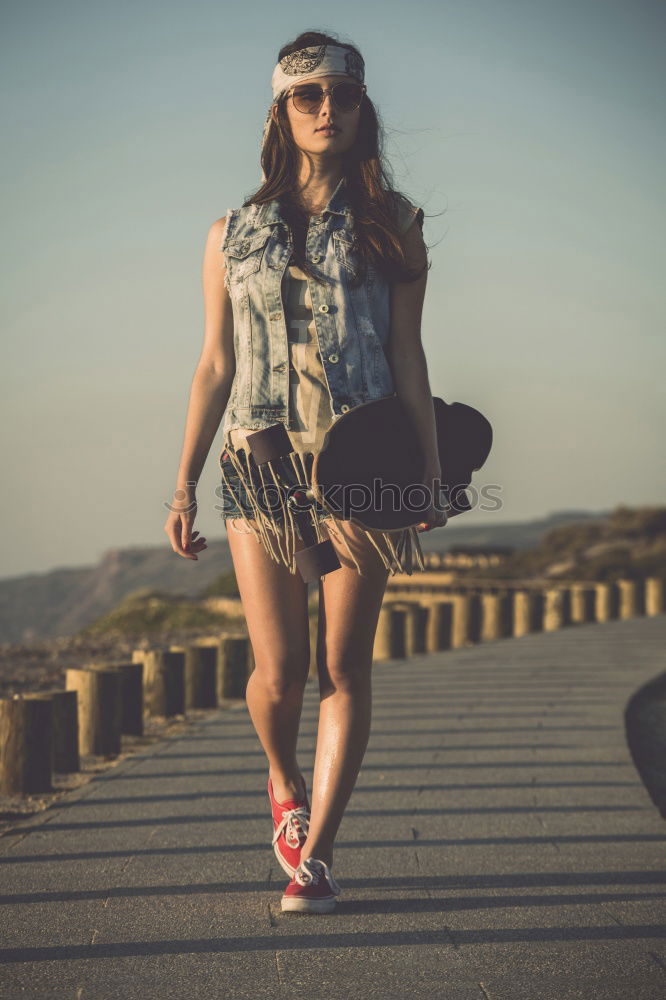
column 290, row 828
column 312, row 889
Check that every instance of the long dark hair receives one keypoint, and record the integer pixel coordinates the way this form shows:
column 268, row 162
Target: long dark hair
column 374, row 201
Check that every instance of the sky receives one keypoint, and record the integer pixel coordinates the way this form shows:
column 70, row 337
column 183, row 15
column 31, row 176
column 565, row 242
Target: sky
column 532, row 135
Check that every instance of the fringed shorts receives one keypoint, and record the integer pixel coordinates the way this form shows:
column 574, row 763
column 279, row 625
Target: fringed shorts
column 398, row 551
column 235, row 500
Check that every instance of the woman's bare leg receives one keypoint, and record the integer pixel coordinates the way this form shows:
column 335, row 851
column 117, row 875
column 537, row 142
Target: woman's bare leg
column 275, row 607
column 349, row 606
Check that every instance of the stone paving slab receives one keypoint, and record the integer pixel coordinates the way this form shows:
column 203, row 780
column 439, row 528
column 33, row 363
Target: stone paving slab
column 499, row 845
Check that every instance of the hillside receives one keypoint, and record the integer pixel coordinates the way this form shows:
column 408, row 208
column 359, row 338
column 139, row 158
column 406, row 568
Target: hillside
column 61, row 601
column 629, row 542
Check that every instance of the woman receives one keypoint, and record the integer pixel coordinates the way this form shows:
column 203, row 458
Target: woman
column 316, row 308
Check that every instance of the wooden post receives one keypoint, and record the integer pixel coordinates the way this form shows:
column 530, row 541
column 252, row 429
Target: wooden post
column 607, row 602
column 66, row 758
column 416, row 618
column 438, row 629
column 583, row 603
column 313, row 628
column 65, row 729
column 466, row 619
column 201, row 676
column 527, row 612
column 631, row 599
column 233, row 666
column 557, row 609
column 131, row 693
column 389, row 641
column 99, row 710
column 163, row 681
column 654, row 595
column 495, row 615
column 26, row 745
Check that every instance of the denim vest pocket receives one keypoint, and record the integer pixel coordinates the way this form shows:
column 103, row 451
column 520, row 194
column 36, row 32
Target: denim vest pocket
column 345, row 250
column 348, row 254
column 244, row 256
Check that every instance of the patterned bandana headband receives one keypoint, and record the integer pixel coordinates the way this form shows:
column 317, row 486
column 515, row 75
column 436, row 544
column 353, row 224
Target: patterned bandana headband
column 310, row 62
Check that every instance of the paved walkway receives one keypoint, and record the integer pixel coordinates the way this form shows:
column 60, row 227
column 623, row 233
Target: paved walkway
column 498, row 846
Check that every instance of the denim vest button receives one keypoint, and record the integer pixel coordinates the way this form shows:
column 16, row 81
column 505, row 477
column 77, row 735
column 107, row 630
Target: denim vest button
column 344, row 408
column 316, row 258
column 323, row 308
column 333, row 358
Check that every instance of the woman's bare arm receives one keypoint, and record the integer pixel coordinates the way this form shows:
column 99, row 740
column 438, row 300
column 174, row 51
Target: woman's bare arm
column 407, row 358
column 209, row 393
column 405, row 351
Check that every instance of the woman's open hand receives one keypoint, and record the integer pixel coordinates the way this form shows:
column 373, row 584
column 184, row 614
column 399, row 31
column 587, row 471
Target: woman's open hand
column 179, row 523
column 435, row 517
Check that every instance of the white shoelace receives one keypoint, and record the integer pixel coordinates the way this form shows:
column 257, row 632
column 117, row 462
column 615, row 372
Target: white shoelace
column 311, row 870
column 293, row 822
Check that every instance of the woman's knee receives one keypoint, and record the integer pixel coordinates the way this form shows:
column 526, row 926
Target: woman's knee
column 279, row 680
column 346, row 675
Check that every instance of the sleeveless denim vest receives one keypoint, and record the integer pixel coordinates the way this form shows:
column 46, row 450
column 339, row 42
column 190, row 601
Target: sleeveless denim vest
column 352, row 323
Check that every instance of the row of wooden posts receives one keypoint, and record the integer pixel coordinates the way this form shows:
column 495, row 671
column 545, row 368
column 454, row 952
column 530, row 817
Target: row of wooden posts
column 46, row 733
column 450, row 618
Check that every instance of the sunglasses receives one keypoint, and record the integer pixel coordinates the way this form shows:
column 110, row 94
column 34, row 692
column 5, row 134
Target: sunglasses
column 309, row 97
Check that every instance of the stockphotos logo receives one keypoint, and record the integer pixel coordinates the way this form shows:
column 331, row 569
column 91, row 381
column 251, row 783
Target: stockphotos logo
column 357, row 498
